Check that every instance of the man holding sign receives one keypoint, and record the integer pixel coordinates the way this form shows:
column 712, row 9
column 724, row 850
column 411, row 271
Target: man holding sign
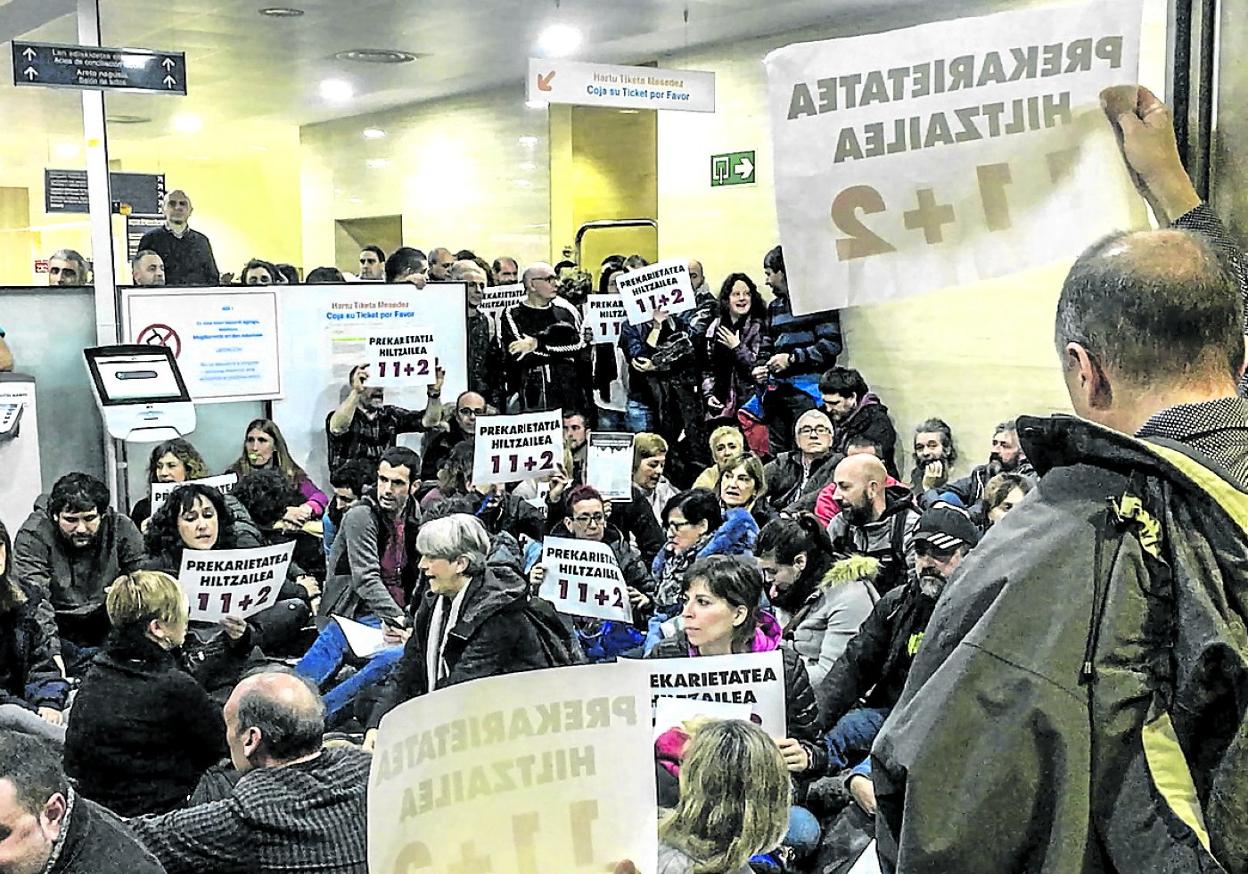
column 544, row 347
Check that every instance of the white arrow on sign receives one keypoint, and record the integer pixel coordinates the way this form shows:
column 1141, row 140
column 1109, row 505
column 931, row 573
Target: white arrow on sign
column 30, row 73
column 167, row 63
column 170, row 81
column 29, row 54
column 744, row 168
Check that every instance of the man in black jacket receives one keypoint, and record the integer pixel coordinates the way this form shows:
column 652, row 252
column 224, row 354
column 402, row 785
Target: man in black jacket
column 798, row 476
column 187, row 254
column 48, row 828
column 863, row 685
column 1007, row 456
column 857, row 412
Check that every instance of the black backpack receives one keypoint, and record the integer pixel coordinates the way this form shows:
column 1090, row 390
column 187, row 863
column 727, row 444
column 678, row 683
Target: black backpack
column 555, row 634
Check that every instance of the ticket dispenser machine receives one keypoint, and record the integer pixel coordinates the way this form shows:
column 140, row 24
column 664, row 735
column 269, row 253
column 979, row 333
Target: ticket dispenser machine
column 140, row 392
column 22, row 478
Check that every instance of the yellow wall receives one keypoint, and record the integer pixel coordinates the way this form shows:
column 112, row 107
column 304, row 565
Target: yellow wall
column 973, row 355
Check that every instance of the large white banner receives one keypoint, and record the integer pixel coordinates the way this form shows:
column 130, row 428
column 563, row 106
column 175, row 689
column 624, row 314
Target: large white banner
column 233, row 582
column 225, row 340
column 512, row 448
column 541, row 771
column 160, row 492
column 947, row 153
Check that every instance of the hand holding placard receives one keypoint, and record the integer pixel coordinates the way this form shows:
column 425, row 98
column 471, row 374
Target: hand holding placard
column 663, row 286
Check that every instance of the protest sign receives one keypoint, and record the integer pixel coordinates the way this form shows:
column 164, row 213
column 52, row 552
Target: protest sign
column 755, row 679
column 605, row 316
column 233, row 582
column 663, row 286
column 540, row 771
column 161, row 491
column 947, row 161
column 364, row 640
column 511, row 448
column 497, row 299
column 583, row 579
column 868, row 862
column 402, row 359
column 609, row 464
column 671, row 713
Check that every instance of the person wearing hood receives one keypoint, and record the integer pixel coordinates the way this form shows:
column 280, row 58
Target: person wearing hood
column 873, row 668
column 856, row 411
column 797, row 476
column 722, row 615
column 68, row 550
column 33, row 693
column 820, row 598
column 874, row 519
column 143, row 730
column 470, row 621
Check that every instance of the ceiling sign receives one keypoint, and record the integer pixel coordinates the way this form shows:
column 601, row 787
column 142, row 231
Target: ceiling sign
column 51, row 65
column 582, row 84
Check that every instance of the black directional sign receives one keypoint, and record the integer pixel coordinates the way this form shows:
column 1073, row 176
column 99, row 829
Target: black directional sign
column 51, row 65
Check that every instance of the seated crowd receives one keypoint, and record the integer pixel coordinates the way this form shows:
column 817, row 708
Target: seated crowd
column 767, row 512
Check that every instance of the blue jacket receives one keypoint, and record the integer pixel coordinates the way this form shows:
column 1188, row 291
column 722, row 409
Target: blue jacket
column 736, row 536
column 814, row 340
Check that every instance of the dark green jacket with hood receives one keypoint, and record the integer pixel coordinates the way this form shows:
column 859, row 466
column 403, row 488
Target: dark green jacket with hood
column 1077, row 704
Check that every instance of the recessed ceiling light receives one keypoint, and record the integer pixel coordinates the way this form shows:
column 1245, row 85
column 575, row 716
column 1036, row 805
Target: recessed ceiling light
column 337, row 90
column 528, row 141
column 281, row 12
column 375, row 56
column 188, row 123
column 128, row 119
column 377, row 163
column 66, row 150
column 558, row 40
column 373, row 133
column 536, row 104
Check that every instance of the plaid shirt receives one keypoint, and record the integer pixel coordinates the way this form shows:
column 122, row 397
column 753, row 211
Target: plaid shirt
column 370, row 437
column 309, row 817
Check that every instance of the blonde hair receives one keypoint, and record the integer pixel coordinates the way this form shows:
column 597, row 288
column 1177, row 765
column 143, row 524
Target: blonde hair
column 143, row 596
column 734, row 797
column 647, row 445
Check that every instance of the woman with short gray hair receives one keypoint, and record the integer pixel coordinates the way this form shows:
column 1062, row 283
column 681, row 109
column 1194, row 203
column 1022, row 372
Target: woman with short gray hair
column 451, row 539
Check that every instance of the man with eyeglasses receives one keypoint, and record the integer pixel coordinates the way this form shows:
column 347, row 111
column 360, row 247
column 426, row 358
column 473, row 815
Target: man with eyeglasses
column 544, row 348
column 482, row 344
column 801, row 473
column 372, row 264
column 448, row 425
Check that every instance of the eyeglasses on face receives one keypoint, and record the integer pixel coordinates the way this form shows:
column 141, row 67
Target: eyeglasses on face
column 673, row 525
column 469, row 411
column 814, row 431
column 590, row 518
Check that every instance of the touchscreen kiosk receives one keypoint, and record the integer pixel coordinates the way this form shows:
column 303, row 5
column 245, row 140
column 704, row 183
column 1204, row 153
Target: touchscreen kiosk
column 140, row 392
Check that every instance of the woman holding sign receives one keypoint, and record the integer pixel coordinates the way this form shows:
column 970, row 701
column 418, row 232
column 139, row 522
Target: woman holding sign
column 733, row 342
column 723, row 615
column 264, row 448
column 173, row 461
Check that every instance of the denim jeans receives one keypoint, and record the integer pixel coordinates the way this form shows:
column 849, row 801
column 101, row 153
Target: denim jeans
column 849, row 741
column 326, row 656
column 639, row 417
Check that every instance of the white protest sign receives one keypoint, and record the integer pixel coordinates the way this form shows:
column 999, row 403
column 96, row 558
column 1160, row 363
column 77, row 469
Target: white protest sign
column 605, row 316
column 583, row 579
column 497, row 299
column 364, row 640
column 671, row 713
column 577, row 82
column 161, row 491
column 755, row 679
column 511, row 448
column 663, row 286
column 609, row 464
column 233, row 582
column 868, row 862
column 398, row 359
column 540, row 771
column 943, row 153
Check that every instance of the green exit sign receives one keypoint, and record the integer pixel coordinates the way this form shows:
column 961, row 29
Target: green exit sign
column 734, row 168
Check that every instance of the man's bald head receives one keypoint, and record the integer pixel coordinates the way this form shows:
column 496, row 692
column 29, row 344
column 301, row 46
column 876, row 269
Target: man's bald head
column 273, row 718
column 860, row 488
column 1153, row 307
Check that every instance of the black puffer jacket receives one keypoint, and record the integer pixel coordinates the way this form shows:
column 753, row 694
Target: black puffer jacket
column 29, row 676
column 785, row 476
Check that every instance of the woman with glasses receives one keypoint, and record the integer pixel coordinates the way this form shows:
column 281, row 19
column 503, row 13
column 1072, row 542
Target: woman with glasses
column 732, row 344
column 798, row 475
column 722, row 613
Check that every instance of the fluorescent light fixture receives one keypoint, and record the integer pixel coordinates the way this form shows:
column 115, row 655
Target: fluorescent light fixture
column 337, row 90
column 536, row 104
column 187, row 123
column 629, row 111
column 281, row 12
column 373, row 133
column 528, row 141
column 559, row 40
column 377, row 163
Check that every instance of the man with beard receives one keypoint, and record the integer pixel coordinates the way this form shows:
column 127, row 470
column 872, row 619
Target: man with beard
column 934, row 457
column 576, row 442
column 856, row 412
column 874, row 519
column 1007, row 456
column 874, row 666
column 364, row 425
column 69, row 549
